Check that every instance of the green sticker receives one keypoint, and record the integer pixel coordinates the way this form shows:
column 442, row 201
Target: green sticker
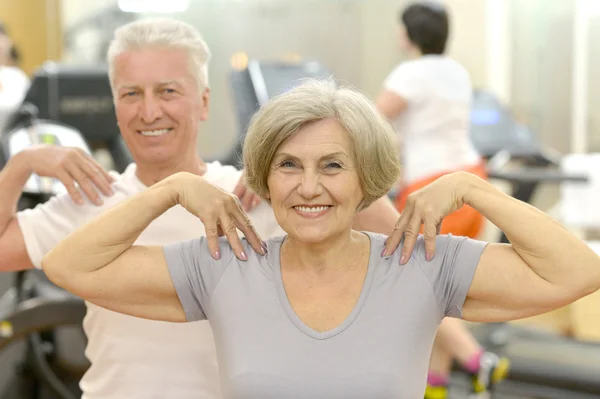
column 48, row 138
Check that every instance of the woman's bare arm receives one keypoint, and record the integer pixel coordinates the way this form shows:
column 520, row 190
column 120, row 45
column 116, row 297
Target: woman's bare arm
column 100, row 263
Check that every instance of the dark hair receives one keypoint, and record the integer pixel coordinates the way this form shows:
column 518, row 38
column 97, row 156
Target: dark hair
column 15, row 56
column 427, row 26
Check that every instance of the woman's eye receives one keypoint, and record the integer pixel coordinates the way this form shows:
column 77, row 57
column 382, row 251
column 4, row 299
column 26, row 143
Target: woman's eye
column 287, row 164
column 334, row 165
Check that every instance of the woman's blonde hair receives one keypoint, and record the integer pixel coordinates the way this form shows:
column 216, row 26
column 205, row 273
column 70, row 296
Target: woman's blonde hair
column 375, row 146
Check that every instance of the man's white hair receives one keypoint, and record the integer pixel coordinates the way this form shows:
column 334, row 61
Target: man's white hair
column 161, row 33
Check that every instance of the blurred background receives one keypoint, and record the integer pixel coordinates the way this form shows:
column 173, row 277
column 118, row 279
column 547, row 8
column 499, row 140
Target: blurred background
column 536, row 55
column 538, row 58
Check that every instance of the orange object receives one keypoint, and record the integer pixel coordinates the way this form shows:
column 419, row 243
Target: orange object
column 466, row 221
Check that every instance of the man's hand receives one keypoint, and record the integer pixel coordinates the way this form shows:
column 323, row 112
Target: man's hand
column 71, row 166
column 248, row 198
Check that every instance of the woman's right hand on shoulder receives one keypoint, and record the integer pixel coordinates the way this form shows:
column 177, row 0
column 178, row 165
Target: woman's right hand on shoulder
column 219, row 211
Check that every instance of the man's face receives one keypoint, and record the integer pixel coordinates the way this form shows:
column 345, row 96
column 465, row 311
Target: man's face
column 158, row 104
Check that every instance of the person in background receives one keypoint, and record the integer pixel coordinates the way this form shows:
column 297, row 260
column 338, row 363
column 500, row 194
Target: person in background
column 428, row 100
column 14, row 83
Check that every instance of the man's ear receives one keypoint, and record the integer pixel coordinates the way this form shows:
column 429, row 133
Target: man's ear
column 205, row 96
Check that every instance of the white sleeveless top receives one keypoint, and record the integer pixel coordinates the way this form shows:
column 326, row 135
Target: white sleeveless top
column 434, row 128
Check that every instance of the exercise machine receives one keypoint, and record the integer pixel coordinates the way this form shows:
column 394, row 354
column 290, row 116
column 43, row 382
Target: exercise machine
column 543, row 365
column 34, row 311
column 254, row 85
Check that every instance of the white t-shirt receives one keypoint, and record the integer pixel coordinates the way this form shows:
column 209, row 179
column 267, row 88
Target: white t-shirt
column 434, row 128
column 14, row 84
column 133, row 357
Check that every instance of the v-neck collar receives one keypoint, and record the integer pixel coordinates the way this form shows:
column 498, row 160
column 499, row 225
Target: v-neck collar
column 291, row 314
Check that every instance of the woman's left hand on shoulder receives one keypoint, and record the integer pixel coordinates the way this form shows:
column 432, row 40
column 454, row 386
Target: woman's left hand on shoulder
column 427, row 207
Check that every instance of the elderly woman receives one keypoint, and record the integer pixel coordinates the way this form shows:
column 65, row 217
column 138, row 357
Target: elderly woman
column 324, row 311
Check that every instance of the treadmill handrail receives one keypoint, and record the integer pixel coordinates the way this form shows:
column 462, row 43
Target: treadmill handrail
column 537, row 175
column 258, row 81
column 40, row 314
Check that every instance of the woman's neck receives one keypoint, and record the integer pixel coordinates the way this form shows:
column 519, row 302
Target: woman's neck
column 325, row 257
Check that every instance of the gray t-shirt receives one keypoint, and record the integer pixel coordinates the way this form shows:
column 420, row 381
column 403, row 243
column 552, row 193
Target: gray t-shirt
column 381, row 350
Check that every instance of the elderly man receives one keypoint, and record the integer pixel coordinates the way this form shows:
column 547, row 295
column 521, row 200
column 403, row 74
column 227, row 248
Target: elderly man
column 158, row 72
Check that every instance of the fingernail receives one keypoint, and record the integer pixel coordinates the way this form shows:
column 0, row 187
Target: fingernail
column 402, row 258
column 383, row 253
column 217, row 255
column 243, row 255
column 264, row 248
column 429, row 257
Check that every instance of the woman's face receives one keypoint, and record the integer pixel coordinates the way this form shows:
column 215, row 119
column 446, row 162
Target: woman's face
column 313, row 184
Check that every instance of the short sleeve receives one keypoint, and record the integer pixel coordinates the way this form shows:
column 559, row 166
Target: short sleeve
column 451, row 270
column 44, row 226
column 405, row 81
column 196, row 274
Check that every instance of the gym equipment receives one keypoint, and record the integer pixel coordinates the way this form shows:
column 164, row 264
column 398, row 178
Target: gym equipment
column 34, row 309
column 543, row 365
column 500, row 139
column 253, row 86
column 27, row 130
column 80, row 97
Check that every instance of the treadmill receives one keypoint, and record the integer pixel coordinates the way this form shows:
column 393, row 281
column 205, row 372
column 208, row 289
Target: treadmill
column 260, row 81
column 81, row 97
column 543, row 365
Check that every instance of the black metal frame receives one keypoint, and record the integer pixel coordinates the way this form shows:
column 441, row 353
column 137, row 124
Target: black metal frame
column 524, row 378
column 525, row 181
column 35, row 319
